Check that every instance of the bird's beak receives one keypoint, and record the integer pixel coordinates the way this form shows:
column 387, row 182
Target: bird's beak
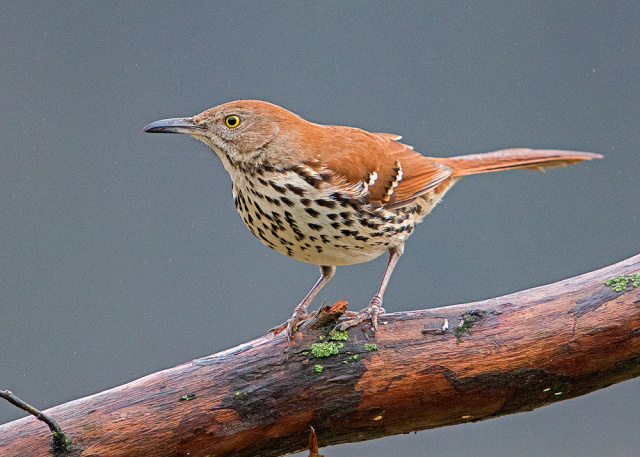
column 176, row 125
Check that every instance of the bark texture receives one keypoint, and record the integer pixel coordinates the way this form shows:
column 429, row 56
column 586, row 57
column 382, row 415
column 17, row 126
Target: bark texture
column 499, row 356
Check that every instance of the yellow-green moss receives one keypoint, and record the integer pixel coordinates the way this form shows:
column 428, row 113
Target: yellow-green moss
column 324, row 349
column 60, row 444
column 339, row 335
column 619, row 283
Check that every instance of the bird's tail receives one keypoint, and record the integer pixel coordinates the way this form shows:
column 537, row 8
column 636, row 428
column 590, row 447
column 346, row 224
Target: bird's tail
column 534, row 159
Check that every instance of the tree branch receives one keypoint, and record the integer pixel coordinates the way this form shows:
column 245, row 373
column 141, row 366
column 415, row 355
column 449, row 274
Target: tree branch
column 498, row 356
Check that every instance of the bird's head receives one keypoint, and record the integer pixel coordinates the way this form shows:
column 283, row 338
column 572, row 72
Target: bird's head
column 244, row 132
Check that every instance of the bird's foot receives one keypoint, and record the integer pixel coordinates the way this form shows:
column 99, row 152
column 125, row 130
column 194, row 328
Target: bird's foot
column 354, row 318
column 290, row 325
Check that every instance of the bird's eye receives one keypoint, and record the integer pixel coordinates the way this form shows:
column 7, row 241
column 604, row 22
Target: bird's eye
column 232, row 121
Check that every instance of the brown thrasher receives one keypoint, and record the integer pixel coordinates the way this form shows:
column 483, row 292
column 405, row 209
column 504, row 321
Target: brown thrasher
column 331, row 195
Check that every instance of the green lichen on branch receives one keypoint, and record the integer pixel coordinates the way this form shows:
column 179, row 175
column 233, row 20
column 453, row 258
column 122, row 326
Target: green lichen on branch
column 370, row 347
column 329, row 348
column 324, row 349
column 339, row 335
column 469, row 319
column 619, row 283
column 60, row 444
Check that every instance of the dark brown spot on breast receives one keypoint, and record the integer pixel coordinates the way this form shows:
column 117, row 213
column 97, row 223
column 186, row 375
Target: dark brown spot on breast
column 277, row 188
column 326, row 203
column 273, row 201
column 339, row 197
column 286, row 201
column 367, row 223
column 256, row 193
column 295, row 189
column 308, row 177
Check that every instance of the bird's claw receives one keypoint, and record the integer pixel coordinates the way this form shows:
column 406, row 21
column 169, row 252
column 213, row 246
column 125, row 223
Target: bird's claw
column 291, row 324
column 354, row 318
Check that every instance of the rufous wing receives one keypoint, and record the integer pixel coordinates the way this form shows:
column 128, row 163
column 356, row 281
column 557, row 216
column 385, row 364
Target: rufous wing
column 393, row 173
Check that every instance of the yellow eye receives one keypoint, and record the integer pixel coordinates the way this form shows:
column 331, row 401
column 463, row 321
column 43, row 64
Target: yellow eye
column 232, row 121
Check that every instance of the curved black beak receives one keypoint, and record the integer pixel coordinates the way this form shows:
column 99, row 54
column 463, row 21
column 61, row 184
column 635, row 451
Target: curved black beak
column 176, row 125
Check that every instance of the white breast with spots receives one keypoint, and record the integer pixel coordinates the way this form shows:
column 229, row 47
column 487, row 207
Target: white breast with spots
column 321, row 225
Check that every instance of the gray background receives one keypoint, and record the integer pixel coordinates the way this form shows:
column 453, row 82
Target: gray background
column 122, row 253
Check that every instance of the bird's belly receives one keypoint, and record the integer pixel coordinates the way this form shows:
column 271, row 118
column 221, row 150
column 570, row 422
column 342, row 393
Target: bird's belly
column 309, row 225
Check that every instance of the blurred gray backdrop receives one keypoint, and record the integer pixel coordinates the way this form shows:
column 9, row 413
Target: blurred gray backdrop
column 122, row 253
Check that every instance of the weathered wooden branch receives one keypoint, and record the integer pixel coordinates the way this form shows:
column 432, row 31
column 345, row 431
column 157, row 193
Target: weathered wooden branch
column 499, row 356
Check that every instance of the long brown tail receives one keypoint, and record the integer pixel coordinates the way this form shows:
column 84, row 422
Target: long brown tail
column 534, row 159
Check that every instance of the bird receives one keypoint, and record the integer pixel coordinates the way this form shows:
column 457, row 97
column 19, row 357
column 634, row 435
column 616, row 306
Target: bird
column 334, row 195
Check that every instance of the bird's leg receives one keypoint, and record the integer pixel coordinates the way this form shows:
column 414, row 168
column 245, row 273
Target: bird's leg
column 300, row 312
column 375, row 305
